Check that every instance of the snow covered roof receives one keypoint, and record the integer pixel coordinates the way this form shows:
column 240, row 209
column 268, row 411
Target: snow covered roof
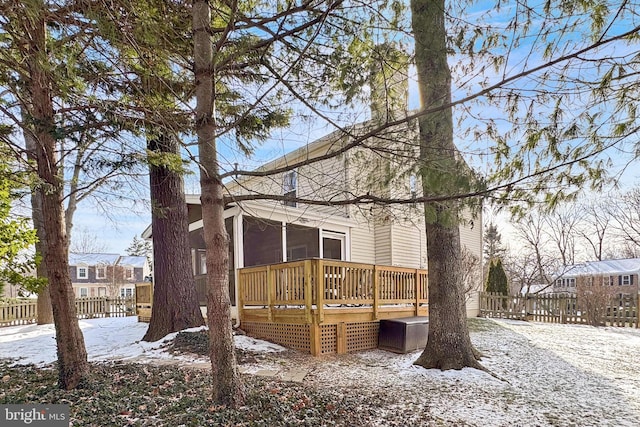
column 610, row 266
column 132, row 261
column 107, row 259
column 93, row 259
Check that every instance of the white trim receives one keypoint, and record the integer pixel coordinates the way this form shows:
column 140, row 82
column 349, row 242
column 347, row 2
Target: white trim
column 86, row 269
column 238, row 232
column 342, row 237
column 284, row 241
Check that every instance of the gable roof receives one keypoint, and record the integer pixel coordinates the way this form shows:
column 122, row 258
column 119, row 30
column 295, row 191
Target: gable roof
column 93, row 259
column 610, row 266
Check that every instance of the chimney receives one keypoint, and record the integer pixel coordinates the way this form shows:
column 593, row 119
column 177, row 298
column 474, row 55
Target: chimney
column 388, row 80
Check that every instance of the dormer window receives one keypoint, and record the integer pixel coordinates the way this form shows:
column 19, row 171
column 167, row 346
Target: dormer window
column 82, row 272
column 101, row 272
column 289, row 187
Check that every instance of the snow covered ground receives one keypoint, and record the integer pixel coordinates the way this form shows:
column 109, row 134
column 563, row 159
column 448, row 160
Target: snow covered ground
column 548, row 375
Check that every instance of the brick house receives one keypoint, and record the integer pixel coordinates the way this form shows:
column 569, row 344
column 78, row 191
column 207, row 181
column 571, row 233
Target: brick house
column 96, row 275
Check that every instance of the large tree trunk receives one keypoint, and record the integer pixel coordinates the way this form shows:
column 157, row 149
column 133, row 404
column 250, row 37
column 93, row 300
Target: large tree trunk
column 72, row 356
column 44, row 309
column 448, row 344
column 175, row 303
column 227, row 385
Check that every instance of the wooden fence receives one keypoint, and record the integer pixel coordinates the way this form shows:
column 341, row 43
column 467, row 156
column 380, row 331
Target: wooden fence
column 612, row 311
column 22, row 312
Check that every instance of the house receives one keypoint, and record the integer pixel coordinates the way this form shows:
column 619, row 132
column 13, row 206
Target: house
column 615, row 277
column 112, row 275
column 309, row 270
column 274, row 231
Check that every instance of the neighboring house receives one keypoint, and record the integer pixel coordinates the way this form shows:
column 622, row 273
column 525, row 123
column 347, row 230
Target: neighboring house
column 96, row 275
column 270, row 231
column 615, row 277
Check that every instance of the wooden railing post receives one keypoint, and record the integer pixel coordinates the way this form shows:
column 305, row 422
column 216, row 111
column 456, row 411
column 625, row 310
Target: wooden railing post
column 417, row 292
column 376, row 292
column 271, row 293
column 308, row 300
column 320, row 279
column 241, row 294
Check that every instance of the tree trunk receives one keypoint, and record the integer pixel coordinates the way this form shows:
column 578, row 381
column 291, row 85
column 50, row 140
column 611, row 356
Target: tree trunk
column 227, row 386
column 72, row 356
column 448, row 344
column 44, row 309
column 175, row 302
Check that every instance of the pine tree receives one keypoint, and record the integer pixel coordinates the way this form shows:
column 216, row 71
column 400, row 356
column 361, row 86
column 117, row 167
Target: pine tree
column 493, row 247
column 497, row 278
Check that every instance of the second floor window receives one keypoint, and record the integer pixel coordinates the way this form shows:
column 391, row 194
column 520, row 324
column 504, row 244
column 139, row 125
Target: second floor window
column 101, row 272
column 289, row 186
column 128, row 273
column 626, row 280
column 83, row 273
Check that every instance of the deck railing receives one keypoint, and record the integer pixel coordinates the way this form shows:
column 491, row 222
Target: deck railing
column 319, row 284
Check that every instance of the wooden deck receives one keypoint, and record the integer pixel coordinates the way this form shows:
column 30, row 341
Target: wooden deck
column 325, row 306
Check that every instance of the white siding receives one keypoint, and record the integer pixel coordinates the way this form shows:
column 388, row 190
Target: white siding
column 383, row 244
column 363, row 244
column 408, row 247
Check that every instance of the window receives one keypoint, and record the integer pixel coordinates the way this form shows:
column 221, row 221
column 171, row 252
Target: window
column 101, row 272
column 626, row 280
column 559, row 283
column 202, row 256
column 84, row 292
column 589, row 281
column 82, row 272
column 607, row 280
column 126, row 292
column 289, row 186
column 571, row 282
column 128, row 273
column 296, row 252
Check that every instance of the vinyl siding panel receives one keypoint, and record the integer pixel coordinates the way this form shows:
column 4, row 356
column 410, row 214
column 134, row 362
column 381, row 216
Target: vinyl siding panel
column 363, row 244
column 383, row 244
column 408, row 247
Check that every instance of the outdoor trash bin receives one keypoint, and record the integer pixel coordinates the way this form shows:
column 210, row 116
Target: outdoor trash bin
column 403, row 335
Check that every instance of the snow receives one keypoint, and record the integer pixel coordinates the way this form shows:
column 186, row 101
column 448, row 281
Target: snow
column 543, row 374
column 92, row 259
column 106, row 339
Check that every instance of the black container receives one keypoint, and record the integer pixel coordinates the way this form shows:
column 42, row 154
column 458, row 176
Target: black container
column 403, row 335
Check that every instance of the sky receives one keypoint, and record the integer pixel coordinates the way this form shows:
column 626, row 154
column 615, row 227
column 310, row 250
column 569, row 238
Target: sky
column 543, row 374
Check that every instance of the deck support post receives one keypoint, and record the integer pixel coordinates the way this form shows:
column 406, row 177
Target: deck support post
column 341, row 338
column 315, row 338
column 308, row 300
